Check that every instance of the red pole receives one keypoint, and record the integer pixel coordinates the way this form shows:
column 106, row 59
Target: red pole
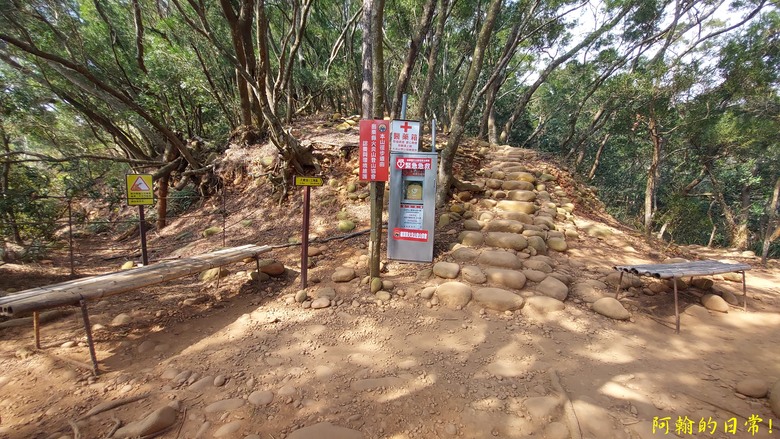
column 305, row 237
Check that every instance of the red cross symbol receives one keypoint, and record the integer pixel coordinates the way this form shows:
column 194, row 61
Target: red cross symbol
column 406, row 126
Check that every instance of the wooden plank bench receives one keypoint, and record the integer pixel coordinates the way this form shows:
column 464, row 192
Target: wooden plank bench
column 683, row 269
column 78, row 291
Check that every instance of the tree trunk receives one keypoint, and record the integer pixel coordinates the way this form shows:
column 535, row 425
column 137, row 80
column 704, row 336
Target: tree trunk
column 433, row 57
column 772, row 231
column 742, row 236
column 653, row 174
column 461, row 108
column 411, row 56
column 728, row 214
column 543, row 75
column 9, row 214
column 237, row 23
column 597, row 160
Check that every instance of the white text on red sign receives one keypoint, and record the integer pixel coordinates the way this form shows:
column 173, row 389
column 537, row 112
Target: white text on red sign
column 413, row 163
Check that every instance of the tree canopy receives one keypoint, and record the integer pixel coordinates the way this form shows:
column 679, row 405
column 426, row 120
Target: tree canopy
column 670, row 108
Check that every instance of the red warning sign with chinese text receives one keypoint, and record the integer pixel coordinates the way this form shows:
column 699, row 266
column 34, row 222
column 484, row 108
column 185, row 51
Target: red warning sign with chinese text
column 414, row 163
column 400, row 234
column 374, row 150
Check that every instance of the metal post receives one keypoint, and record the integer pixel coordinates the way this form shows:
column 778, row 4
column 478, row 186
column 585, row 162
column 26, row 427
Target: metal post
column 305, row 236
column 676, row 309
column 403, row 106
column 70, row 235
column 142, row 228
column 37, row 329
column 257, row 263
column 433, row 135
column 90, row 343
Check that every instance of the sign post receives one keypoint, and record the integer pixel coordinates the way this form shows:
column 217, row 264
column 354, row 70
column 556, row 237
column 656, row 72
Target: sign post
column 140, row 193
column 374, row 156
column 307, row 182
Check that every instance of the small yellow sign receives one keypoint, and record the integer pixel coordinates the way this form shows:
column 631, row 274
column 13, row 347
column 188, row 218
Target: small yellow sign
column 140, row 190
column 308, row 181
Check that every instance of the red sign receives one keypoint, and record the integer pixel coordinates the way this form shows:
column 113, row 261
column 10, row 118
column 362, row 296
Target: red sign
column 374, row 150
column 400, row 234
column 413, row 163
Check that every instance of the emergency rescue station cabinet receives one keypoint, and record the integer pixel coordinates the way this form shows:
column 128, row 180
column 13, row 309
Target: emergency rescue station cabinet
column 412, row 206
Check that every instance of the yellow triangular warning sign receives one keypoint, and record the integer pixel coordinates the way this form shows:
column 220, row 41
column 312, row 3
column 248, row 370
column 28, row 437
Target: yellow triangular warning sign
column 139, row 185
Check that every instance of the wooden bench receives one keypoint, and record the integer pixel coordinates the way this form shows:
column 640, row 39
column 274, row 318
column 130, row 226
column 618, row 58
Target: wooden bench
column 78, row 291
column 683, row 269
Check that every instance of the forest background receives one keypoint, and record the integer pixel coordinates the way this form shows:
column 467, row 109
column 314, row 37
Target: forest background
column 669, row 108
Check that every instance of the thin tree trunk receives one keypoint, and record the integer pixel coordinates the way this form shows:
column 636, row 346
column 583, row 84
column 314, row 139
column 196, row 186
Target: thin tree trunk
column 458, row 120
column 653, row 173
column 526, row 97
column 772, row 231
column 728, row 214
column 433, row 57
column 597, row 160
column 4, row 187
column 411, row 56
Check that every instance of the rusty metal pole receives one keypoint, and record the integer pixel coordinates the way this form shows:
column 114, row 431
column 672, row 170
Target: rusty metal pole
column 676, row 308
column 142, row 228
column 37, row 329
column 90, row 342
column 305, row 236
column 70, row 236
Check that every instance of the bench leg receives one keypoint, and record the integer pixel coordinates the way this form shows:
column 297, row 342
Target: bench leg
column 676, row 307
column 257, row 263
column 88, row 330
column 37, row 329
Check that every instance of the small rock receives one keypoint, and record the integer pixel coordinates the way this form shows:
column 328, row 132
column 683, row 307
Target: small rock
column 554, row 288
column 127, row 265
column 612, row 308
column 346, row 226
column 272, row 267
column 774, row 398
column 473, row 274
column 454, row 294
column 322, row 302
column 343, row 275
column 158, row 420
column 121, row 319
column 220, row 380
column 753, row 387
column 214, row 273
column 382, row 295
column 498, row 299
column 301, row 296
column 714, row 303
column 447, row 270
column 261, row 397
column 228, row 429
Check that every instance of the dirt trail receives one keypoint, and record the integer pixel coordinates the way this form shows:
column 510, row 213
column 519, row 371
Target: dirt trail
column 249, row 362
